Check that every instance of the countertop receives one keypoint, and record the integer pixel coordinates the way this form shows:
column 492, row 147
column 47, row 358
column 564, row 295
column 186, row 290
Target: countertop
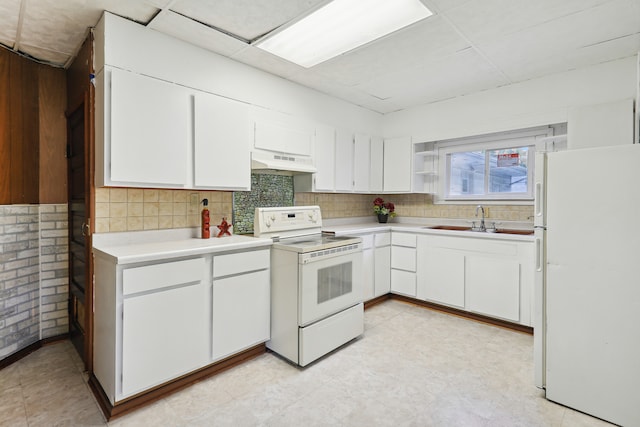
column 132, row 247
column 421, row 226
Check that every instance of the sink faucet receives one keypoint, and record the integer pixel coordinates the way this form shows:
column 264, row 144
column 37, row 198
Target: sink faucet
column 481, row 209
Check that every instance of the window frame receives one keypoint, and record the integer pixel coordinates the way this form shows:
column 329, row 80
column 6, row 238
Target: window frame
column 486, row 143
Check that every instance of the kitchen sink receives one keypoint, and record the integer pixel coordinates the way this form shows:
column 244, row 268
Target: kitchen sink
column 462, row 228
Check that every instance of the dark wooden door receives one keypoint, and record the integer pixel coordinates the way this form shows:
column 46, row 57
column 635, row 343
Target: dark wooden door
column 80, row 266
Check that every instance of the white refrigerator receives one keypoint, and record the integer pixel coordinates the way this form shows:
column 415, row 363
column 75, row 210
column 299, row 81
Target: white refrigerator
column 587, row 294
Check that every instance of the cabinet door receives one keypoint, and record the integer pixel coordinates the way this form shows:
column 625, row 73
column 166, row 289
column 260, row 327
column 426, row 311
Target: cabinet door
column 377, row 164
column 493, row 287
column 397, row 165
column 222, row 157
column 164, row 334
column 344, row 160
column 361, row 163
column 368, row 275
column 241, row 312
column 283, row 133
column 382, row 273
column 441, row 275
column 325, row 158
column 149, row 131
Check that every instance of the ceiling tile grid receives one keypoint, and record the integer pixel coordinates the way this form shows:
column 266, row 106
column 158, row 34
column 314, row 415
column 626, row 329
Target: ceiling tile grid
column 466, row 46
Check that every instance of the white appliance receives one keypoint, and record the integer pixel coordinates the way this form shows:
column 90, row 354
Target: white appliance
column 316, row 284
column 588, row 304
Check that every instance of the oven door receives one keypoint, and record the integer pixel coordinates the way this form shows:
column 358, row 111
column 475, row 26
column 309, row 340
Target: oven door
column 329, row 284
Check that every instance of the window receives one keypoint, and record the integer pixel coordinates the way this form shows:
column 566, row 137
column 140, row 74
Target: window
column 493, row 167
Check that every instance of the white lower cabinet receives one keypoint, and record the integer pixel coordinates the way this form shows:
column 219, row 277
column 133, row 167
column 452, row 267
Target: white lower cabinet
column 441, row 275
column 241, row 303
column 155, row 321
column 493, row 287
column 382, row 270
column 376, row 264
column 164, row 335
column 403, row 263
column 488, row 277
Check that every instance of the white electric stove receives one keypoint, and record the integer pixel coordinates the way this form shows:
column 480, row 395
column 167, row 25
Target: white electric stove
column 316, row 284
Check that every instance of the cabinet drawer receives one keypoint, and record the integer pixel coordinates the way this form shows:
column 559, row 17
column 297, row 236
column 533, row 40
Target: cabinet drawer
column 242, row 262
column 403, row 258
column 404, row 239
column 158, row 276
column 403, row 282
column 382, row 239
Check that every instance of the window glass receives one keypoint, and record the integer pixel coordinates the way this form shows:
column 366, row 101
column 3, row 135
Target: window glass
column 508, row 170
column 466, row 173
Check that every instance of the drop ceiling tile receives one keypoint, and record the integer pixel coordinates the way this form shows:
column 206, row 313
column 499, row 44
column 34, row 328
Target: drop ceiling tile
column 563, row 43
column 9, row 13
column 273, row 64
column 193, row 32
column 576, row 58
column 51, row 56
column 62, row 26
column 425, row 42
column 443, row 5
column 347, row 93
column 459, row 74
column 160, row 4
column 485, row 20
column 245, row 18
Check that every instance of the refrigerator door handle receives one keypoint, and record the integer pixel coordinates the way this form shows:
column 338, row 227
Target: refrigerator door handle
column 539, row 200
column 539, row 257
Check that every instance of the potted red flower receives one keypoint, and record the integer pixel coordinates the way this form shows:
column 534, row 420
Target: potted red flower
column 383, row 210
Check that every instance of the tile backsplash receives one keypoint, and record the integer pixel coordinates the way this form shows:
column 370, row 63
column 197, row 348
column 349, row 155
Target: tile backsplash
column 130, row 209
column 266, row 190
column 407, row 205
column 134, row 209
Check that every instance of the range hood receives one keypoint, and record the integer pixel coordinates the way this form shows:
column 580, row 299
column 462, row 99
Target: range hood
column 266, row 162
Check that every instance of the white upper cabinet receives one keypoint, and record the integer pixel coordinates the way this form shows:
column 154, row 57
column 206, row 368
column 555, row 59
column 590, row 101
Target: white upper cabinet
column 344, row 160
column 282, row 133
column 377, row 164
column 149, row 132
column 397, row 165
column 325, row 157
column 361, row 163
column 222, row 143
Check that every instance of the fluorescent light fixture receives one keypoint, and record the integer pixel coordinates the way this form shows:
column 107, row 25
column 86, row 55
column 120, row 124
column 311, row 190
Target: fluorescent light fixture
column 341, row 26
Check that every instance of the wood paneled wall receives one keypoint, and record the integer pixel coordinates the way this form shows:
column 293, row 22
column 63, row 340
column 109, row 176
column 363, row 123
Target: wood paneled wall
column 53, row 134
column 32, row 131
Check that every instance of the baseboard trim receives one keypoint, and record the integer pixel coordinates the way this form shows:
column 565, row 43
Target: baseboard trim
column 20, row 354
column 376, row 301
column 132, row 403
column 461, row 313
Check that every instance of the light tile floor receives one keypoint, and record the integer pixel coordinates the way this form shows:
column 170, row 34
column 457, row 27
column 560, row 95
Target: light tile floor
column 413, row 367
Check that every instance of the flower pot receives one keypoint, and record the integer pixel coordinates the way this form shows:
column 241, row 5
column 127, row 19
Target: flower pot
column 382, row 218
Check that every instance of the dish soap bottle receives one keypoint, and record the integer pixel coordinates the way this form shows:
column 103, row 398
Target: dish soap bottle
column 205, row 219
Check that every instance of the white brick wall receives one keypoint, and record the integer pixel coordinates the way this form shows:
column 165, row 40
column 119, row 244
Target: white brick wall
column 33, row 274
column 54, row 270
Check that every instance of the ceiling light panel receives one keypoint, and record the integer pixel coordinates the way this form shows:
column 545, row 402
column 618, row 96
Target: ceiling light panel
column 341, row 26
